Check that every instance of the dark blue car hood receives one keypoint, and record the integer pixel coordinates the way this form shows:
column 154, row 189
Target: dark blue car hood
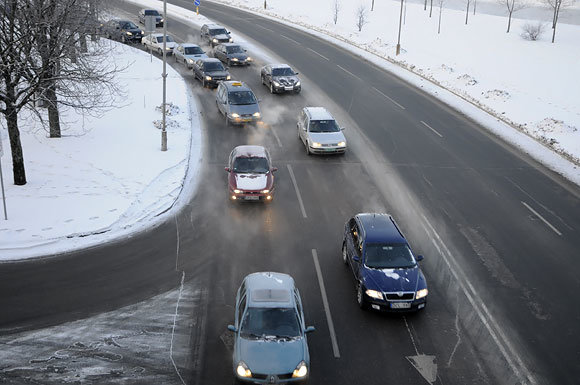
column 392, row 279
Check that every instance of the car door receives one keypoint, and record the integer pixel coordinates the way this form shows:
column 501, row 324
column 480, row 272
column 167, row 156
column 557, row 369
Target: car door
column 221, row 98
column 353, row 242
column 302, row 121
column 197, row 69
column 240, row 305
column 268, row 75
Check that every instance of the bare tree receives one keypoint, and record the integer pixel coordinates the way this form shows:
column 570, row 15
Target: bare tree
column 468, row 2
column 431, row 8
column 532, row 31
column 440, row 3
column 373, row 5
column 335, row 10
column 361, row 17
column 557, row 6
column 474, row 6
column 513, row 6
column 425, row 6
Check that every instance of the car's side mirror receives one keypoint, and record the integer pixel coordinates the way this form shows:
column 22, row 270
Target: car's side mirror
column 274, row 169
column 245, row 50
column 342, row 128
column 309, row 329
column 227, row 169
column 296, row 73
column 232, row 328
column 419, row 258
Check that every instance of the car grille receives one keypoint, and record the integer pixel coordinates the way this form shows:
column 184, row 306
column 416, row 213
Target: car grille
column 405, row 296
column 246, row 115
column 260, row 376
column 216, row 78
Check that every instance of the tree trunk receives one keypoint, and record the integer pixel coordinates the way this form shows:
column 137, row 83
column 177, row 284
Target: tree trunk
column 439, row 25
column 425, row 6
column 53, row 116
column 15, row 146
column 509, row 22
column 373, row 5
column 431, row 8
column 467, row 13
column 474, row 6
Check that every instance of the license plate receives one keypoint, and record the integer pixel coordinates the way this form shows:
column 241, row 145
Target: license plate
column 251, row 198
column 246, row 120
column 400, row 305
column 288, row 88
column 329, row 149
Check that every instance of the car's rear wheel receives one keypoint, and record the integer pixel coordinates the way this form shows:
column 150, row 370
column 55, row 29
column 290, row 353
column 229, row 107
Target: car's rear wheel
column 344, row 254
column 360, row 299
column 160, row 52
column 263, row 82
column 123, row 39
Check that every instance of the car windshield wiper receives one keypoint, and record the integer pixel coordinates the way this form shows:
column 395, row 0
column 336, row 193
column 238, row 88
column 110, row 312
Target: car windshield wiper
column 252, row 335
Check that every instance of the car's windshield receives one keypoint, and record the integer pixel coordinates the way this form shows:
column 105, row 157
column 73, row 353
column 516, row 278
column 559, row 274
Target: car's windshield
column 214, row 66
column 388, row 256
column 234, row 49
column 284, row 71
column 193, row 50
column 217, row 31
column 270, row 322
column 255, row 165
column 151, row 12
column 242, row 97
column 128, row 25
column 323, row 126
column 169, row 39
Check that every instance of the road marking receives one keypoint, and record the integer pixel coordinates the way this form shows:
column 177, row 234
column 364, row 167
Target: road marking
column 542, row 218
column 431, row 128
column 386, row 96
column 322, row 56
column 292, row 40
column 177, row 247
column 297, row 191
column 498, row 336
column 348, row 72
column 173, row 330
column 267, row 29
column 276, row 136
column 326, row 306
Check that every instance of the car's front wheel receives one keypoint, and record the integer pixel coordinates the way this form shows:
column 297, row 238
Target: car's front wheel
column 160, row 52
column 271, row 88
column 308, row 152
column 360, row 296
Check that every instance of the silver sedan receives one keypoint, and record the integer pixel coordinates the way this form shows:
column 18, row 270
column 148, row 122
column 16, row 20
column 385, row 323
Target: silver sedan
column 188, row 53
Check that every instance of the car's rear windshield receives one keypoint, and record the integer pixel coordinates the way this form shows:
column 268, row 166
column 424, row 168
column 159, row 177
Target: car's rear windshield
column 234, row 49
column 323, row 126
column 270, row 322
column 151, row 12
column 242, row 97
column 128, row 25
column 285, row 71
column 169, row 39
column 251, row 165
column 388, row 256
column 193, row 50
column 214, row 66
column 217, row 31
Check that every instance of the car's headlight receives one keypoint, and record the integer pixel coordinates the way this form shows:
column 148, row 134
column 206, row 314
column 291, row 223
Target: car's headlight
column 374, row 294
column 228, row 77
column 129, row 33
column 215, row 40
column 421, row 293
column 237, row 191
column 235, row 115
column 316, row 144
column 265, row 191
column 341, row 144
column 249, row 59
column 243, row 370
column 161, row 20
column 301, row 370
column 191, row 61
column 235, row 59
column 257, row 114
column 208, row 78
column 231, row 40
column 275, row 83
column 297, row 84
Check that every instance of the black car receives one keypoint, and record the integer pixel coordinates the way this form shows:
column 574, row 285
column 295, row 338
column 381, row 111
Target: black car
column 215, row 34
column 280, row 78
column 210, row 72
column 151, row 12
column 122, row 30
column 232, row 54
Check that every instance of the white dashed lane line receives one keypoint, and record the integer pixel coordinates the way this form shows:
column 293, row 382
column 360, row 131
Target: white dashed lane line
column 267, row 29
column 554, row 229
column 322, row 56
column 388, row 97
column 297, row 191
column 348, row 72
column 287, row 38
column 432, row 129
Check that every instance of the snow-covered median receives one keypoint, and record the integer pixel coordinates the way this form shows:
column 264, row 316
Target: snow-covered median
column 106, row 177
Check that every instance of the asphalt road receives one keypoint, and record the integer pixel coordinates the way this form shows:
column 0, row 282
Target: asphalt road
column 498, row 231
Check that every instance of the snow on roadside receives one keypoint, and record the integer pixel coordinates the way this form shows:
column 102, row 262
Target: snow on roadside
column 107, row 174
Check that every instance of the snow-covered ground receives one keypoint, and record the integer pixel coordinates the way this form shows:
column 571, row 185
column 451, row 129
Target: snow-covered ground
column 106, row 176
column 533, row 86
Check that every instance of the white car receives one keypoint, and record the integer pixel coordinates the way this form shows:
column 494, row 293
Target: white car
column 188, row 54
column 319, row 132
column 154, row 42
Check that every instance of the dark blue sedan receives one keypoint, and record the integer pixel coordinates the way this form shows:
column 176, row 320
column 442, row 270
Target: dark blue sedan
column 386, row 272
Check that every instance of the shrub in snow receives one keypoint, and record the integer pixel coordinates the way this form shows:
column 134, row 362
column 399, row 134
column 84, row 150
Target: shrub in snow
column 532, row 31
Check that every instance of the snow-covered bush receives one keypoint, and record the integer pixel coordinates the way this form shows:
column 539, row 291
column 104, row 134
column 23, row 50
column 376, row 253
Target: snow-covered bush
column 532, row 31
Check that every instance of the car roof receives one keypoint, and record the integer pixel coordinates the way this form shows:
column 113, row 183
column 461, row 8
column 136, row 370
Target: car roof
column 189, row 45
column 270, row 289
column 250, row 151
column 235, row 85
column 210, row 59
column 380, row 227
column 318, row 113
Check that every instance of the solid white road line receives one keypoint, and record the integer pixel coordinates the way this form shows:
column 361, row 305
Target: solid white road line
column 411, row 335
column 276, row 136
column 504, row 345
column 431, row 128
column 322, row 56
column 348, row 72
column 326, row 306
column 297, row 191
column 542, row 218
column 386, row 96
column 288, row 38
column 173, row 329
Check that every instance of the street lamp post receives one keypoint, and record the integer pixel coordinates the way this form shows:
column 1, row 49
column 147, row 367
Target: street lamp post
column 399, row 38
column 163, row 127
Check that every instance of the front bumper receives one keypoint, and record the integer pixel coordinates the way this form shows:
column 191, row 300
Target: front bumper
column 244, row 119
column 249, row 196
column 386, row 306
column 214, row 82
column 282, row 88
column 277, row 380
column 327, row 150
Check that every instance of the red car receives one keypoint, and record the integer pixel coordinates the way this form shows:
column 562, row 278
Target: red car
column 250, row 174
